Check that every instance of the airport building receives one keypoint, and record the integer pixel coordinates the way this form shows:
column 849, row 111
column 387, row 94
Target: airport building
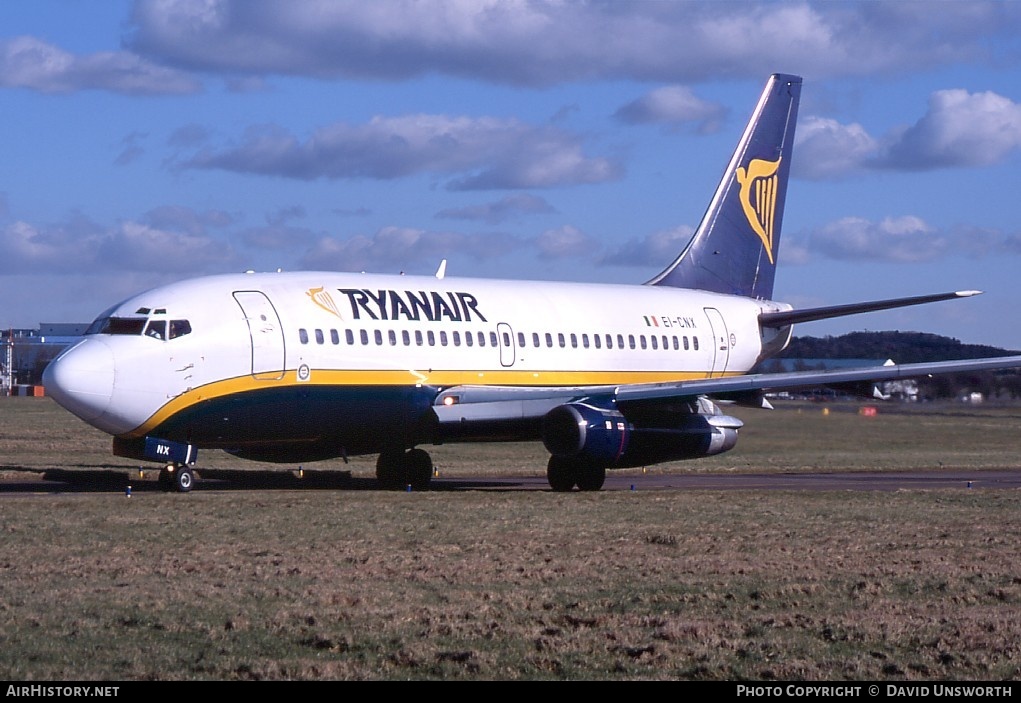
column 24, row 353
column 902, row 389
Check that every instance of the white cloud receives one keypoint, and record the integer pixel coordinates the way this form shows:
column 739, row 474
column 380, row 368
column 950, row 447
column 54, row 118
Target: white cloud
column 901, row 239
column 24, row 247
column 566, row 241
column 131, row 149
column 79, row 245
column 657, row 249
column 277, row 237
column 904, row 239
column 824, row 148
column 169, row 43
column 27, row 62
column 794, row 251
column 959, row 129
column 195, row 222
column 400, row 248
column 488, row 153
column 286, row 214
column 136, row 246
column 673, row 106
column 508, row 208
column 352, row 212
column 190, row 135
column 66, row 247
column 542, row 42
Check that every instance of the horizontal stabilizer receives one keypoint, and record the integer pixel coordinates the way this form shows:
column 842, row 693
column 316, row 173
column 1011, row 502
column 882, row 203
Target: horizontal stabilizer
column 790, row 317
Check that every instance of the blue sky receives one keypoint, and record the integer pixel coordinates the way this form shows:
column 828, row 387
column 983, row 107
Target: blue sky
column 142, row 142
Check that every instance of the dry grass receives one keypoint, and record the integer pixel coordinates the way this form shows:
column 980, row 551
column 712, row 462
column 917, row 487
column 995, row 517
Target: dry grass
column 522, row 585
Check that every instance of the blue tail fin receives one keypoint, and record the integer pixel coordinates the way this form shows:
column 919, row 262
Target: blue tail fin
column 734, row 249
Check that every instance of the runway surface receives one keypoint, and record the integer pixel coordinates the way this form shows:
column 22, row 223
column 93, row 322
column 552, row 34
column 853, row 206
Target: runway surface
column 64, row 481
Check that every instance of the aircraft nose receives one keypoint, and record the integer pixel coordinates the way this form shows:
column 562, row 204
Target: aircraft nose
column 81, row 379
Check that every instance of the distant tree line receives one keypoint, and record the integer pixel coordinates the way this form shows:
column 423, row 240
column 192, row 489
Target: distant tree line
column 902, row 347
column 915, row 347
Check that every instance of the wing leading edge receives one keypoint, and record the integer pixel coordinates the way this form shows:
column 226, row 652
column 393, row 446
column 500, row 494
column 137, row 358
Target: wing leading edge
column 660, row 392
column 467, row 404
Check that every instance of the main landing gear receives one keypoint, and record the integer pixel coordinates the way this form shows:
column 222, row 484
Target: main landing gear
column 177, row 477
column 397, row 469
column 565, row 473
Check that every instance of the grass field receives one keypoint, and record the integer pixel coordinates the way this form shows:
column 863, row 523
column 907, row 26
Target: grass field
column 334, row 584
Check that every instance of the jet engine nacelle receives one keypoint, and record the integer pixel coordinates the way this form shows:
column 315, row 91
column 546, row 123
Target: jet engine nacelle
column 585, row 431
column 605, row 437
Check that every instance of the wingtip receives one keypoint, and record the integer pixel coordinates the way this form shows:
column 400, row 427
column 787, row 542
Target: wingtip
column 968, row 293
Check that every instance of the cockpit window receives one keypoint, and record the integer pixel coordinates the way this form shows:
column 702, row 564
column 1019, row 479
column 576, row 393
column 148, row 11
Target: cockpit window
column 157, row 329
column 117, row 325
column 179, row 328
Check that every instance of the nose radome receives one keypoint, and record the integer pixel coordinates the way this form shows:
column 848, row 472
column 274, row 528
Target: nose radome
column 81, row 379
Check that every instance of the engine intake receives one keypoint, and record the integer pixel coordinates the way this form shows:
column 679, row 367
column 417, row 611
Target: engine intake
column 581, row 430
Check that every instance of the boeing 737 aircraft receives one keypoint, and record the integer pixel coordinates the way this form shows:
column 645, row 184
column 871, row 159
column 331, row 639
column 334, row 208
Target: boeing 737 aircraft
column 298, row 367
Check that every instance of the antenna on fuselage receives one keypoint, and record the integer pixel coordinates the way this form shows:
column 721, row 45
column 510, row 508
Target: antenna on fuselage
column 442, row 270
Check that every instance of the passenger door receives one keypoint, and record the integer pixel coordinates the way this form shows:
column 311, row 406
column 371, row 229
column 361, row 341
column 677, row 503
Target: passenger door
column 266, row 334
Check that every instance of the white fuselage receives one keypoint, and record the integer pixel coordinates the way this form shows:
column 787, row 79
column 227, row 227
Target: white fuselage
column 227, row 336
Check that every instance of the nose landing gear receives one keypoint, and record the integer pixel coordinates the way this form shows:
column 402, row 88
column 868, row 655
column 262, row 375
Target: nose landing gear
column 177, row 477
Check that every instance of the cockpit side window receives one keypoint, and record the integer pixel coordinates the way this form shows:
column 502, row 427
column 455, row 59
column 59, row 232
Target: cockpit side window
column 117, row 325
column 179, row 328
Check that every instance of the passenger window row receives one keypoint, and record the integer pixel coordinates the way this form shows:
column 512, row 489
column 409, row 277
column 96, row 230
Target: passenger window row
column 469, row 339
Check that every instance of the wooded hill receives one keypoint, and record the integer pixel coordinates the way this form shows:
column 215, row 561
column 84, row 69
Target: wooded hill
column 902, row 347
column 914, row 347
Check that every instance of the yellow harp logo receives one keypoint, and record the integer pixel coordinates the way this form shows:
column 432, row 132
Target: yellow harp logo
column 321, row 297
column 758, row 198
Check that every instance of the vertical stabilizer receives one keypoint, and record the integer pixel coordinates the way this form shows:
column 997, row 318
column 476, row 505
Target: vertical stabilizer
column 734, row 249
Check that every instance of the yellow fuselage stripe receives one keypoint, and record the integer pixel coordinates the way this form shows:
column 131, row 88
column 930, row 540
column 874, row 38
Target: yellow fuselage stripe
column 444, row 379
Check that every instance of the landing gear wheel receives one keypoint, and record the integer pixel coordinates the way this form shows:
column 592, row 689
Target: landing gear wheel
column 184, row 479
column 591, row 478
column 177, row 478
column 397, row 470
column 388, row 470
column 419, row 467
column 562, row 474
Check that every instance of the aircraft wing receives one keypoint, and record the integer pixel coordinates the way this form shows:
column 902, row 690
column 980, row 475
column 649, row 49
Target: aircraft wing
column 640, row 393
column 466, row 404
